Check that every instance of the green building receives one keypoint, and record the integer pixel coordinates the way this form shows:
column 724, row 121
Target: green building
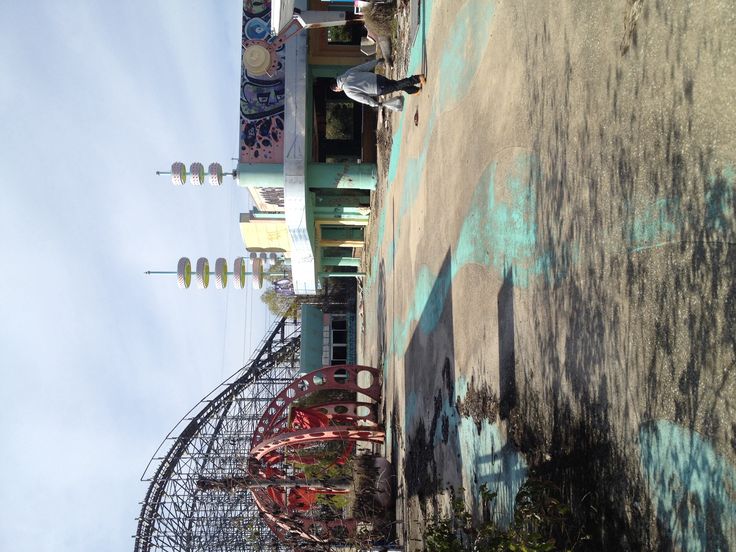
column 307, row 154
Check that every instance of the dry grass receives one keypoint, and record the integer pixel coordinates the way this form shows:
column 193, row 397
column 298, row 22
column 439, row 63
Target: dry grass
column 380, row 20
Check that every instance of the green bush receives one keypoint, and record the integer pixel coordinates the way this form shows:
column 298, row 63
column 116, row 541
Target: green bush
column 541, row 523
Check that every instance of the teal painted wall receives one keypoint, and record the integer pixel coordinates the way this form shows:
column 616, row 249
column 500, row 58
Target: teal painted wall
column 310, row 358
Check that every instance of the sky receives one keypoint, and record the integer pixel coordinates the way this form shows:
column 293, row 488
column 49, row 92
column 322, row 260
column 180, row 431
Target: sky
column 99, row 361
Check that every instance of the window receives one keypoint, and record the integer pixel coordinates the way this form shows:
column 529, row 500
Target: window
column 338, row 124
column 345, row 35
column 339, row 341
column 339, row 354
column 339, row 119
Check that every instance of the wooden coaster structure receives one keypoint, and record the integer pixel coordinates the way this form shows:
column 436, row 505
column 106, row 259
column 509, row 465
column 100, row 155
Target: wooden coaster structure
column 231, row 476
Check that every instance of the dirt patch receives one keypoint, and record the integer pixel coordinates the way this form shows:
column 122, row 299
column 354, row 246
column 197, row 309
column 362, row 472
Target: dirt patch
column 385, row 139
column 480, row 403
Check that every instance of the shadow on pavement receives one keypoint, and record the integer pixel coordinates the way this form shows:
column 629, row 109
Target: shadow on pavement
column 429, row 387
column 506, row 351
column 637, row 209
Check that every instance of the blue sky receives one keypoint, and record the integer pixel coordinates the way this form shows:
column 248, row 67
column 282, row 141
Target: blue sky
column 99, row 361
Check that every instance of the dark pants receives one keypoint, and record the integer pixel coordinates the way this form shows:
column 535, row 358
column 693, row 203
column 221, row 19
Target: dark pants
column 387, row 86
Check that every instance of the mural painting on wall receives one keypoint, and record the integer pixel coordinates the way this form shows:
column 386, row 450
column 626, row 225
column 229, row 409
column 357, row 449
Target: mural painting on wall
column 262, row 96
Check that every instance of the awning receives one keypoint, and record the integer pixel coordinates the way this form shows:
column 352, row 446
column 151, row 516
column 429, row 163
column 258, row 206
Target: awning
column 296, row 203
column 281, row 13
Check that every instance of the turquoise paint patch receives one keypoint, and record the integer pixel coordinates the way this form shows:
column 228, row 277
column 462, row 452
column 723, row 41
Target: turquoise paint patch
column 488, row 459
column 503, row 234
column 396, row 141
column 657, row 222
column 414, row 171
column 412, row 182
column 661, row 222
column 449, row 410
column 417, row 54
column 461, row 388
column 471, row 25
column 464, row 49
column 485, row 456
column 380, row 236
column 411, row 185
column 691, row 485
column 430, row 293
column 389, row 256
column 389, row 259
column 466, row 26
column 498, row 234
column 410, row 411
column 376, row 259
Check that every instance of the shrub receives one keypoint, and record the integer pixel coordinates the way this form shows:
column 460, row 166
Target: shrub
column 541, row 523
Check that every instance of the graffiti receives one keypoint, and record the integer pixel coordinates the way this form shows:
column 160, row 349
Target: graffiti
column 268, row 199
column 692, row 487
column 261, row 97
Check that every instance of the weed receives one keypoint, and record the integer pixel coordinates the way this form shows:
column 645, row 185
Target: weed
column 541, row 523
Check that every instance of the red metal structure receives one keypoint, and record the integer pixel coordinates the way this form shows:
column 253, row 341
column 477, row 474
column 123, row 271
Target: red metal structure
column 285, row 437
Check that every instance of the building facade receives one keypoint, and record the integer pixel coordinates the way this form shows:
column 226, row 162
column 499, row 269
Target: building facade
column 307, row 153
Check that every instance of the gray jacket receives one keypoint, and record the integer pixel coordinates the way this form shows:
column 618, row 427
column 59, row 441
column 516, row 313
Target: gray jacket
column 360, row 83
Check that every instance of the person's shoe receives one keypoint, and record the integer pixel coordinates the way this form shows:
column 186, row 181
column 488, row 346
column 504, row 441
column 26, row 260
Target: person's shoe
column 422, row 79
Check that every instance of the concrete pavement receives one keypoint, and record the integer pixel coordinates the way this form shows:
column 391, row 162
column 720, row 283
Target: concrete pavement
column 551, row 266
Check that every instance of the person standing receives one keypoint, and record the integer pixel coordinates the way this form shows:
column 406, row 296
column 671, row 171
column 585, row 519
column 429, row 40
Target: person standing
column 361, row 84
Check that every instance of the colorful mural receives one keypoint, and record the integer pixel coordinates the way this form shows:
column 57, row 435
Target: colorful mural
column 261, row 97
